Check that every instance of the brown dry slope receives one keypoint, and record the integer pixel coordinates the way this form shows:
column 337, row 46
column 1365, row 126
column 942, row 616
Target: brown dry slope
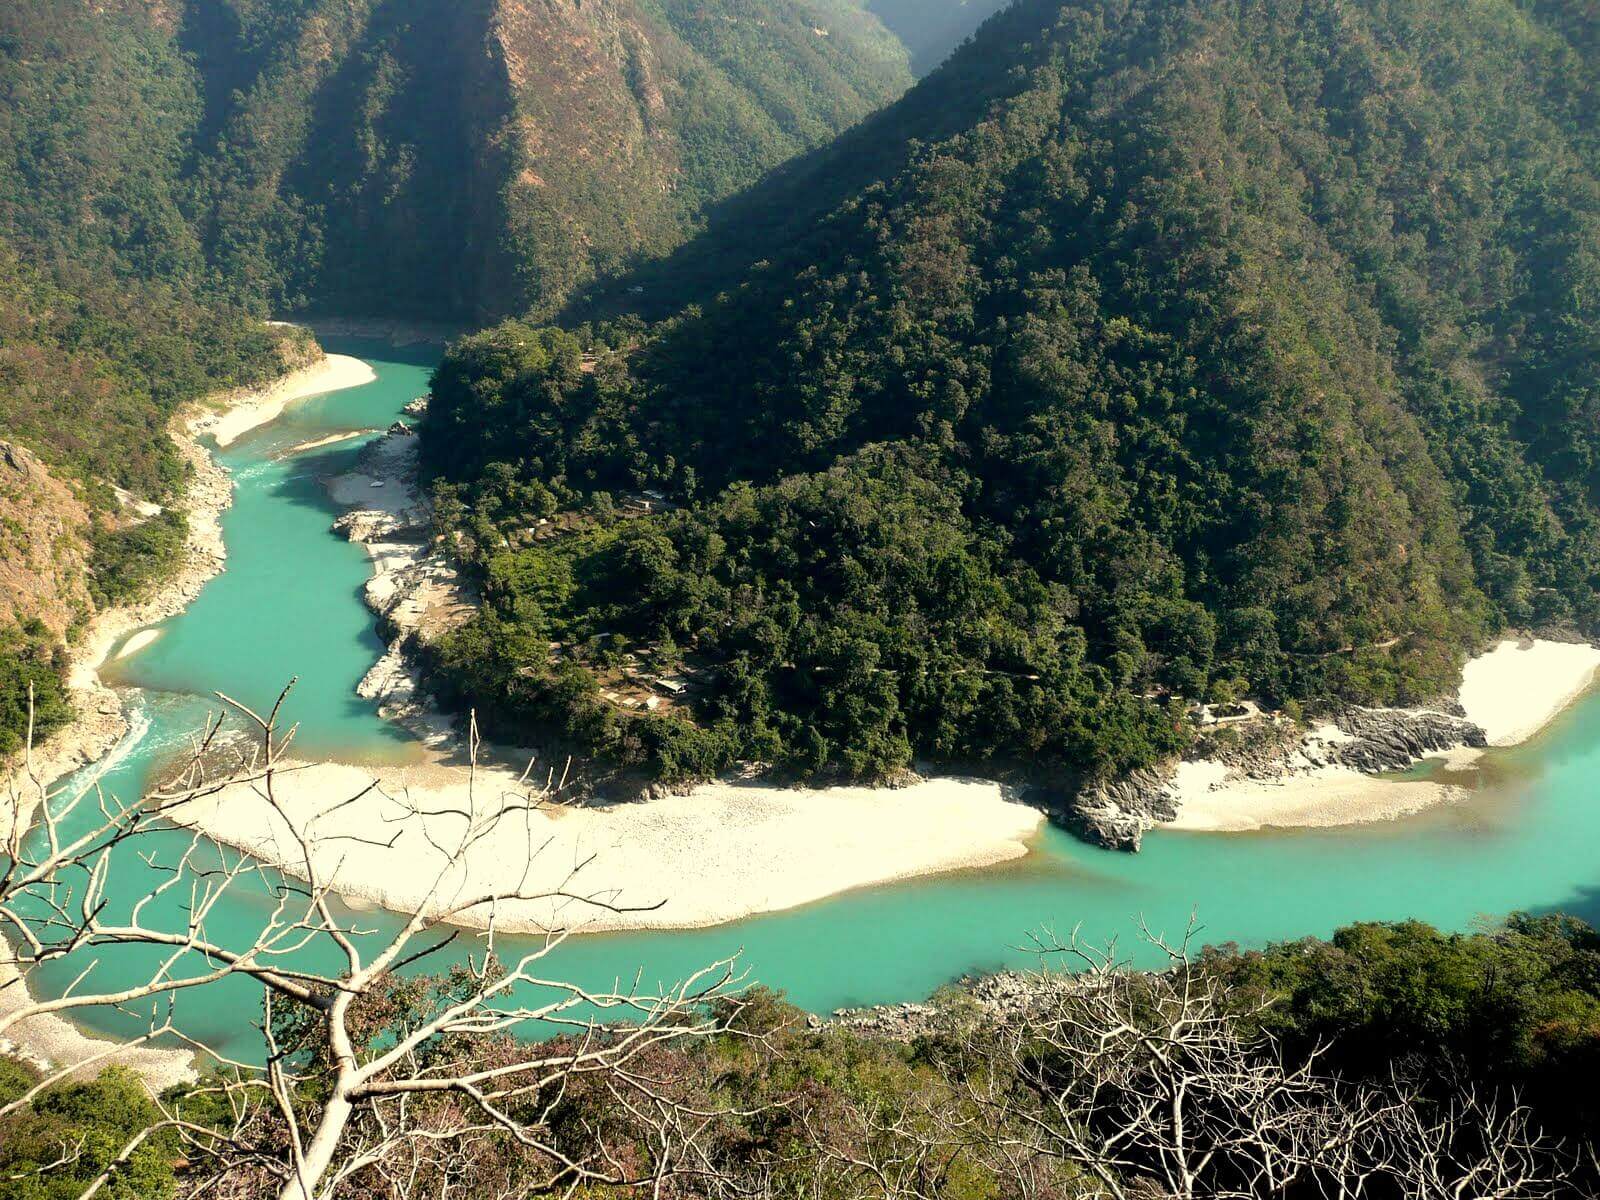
column 43, row 532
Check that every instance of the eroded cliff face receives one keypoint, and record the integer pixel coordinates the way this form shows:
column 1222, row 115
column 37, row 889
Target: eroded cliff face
column 43, row 544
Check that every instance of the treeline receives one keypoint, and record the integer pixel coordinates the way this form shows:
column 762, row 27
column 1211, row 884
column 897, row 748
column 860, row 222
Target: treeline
column 969, row 1101
column 1231, row 347
column 1515, row 1010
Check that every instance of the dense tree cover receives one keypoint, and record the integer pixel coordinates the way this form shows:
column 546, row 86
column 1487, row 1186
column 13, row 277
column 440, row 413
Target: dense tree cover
column 128, row 560
column 1516, row 1008
column 839, row 615
column 109, row 319
column 469, row 160
column 1260, row 335
column 77, row 1130
column 96, row 102
column 32, row 671
column 89, row 380
column 800, row 1110
column 109, row 316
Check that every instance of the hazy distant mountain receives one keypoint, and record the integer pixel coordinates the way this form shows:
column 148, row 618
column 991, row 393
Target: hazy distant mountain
column 931, row 29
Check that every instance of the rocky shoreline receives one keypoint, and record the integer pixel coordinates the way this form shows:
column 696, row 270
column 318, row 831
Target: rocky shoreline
column 1003, row 998
column 1116, row 814
column 415, row 592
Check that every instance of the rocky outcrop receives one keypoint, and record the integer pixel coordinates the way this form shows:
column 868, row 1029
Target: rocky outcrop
column 1390, row 739
column 1115, row 813
column 416, row 593
column 43, row 543
column 1003, row 998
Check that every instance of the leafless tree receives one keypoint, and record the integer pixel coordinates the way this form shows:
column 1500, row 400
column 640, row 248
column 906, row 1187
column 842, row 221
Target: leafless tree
column 375, row 1071
column 56, row 858
column 1158, row 1080
column 404, row 1074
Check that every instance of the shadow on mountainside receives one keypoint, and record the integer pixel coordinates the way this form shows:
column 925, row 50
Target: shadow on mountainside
column 780, row 214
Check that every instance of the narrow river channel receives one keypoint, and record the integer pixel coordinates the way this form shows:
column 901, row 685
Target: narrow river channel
column 289, row 604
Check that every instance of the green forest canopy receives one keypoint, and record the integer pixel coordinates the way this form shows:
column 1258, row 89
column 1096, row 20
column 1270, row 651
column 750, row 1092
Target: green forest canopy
column 1229, row 344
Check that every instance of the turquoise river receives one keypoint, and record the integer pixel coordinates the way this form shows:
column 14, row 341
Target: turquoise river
column 289, row 603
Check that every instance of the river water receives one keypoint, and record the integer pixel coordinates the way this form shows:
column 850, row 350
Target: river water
column 289, row 604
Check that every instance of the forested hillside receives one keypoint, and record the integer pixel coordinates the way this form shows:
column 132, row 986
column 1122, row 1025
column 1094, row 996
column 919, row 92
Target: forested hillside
column 89, row 382
column 1223, row 346
column 408, row 157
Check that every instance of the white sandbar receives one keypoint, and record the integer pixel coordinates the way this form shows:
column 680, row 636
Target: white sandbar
column 1513, row 692
column 718, row 854
column 138, row 642
column 333, row 374
column 1518, row 688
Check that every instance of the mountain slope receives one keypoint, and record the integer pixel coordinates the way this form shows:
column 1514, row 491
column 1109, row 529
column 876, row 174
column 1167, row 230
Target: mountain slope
column 1235, row 344
column 172, row 169
column 406, row 157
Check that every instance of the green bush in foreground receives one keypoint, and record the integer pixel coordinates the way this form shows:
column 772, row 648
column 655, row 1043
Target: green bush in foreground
column 1517, row 1007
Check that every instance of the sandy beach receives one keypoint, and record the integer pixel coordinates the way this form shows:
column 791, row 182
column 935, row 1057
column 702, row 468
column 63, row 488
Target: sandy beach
column 1321, row 798
column 246, row 411
column 49, row 1041
column 1512, row 692
column 718, row 854
column 1519, row 687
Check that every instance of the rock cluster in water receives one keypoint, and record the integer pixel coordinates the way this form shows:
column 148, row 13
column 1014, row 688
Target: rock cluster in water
column 415, row 592
column 1115, row 813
